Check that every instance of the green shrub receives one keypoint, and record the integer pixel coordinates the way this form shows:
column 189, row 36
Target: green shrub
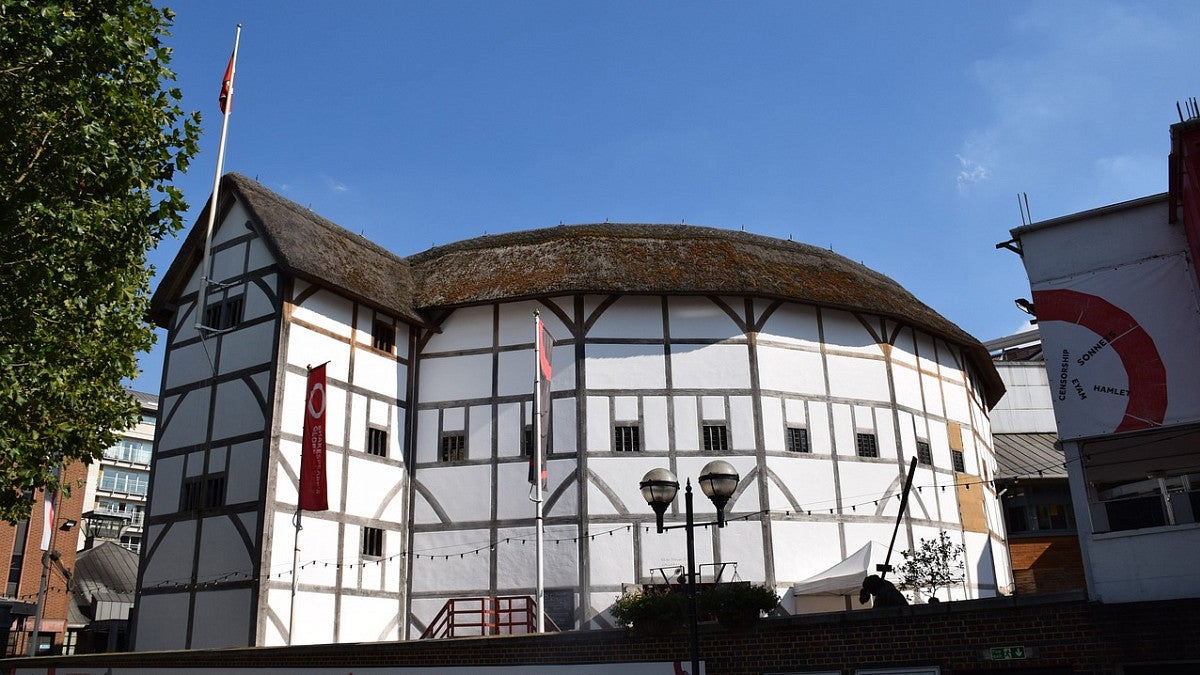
column 651, row 610
column 744, row 599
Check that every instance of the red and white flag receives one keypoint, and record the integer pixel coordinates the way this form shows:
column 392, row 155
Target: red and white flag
column 541, row 445
column 313, row 493
column 226, row 98
column 51, row 502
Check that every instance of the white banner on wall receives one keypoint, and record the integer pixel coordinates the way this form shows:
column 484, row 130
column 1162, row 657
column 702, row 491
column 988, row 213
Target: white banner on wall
column 1122, row 347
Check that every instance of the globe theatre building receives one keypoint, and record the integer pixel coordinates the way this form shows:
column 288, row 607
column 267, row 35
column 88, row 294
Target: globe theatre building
column 817, row 378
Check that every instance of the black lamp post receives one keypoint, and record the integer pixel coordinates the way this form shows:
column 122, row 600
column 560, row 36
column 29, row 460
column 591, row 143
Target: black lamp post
column 718, row 480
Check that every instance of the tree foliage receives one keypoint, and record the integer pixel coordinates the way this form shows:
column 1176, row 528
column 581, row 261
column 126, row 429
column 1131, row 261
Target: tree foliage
column 91, row 134
column 933, row 565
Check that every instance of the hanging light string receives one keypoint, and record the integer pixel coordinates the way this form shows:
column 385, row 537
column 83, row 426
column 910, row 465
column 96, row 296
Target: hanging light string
column 462, row 550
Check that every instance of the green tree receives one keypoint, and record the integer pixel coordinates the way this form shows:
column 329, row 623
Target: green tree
column 91, row 135
column 933, row 565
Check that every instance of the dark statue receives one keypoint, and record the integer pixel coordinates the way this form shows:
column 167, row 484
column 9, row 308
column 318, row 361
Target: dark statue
column 884, row 591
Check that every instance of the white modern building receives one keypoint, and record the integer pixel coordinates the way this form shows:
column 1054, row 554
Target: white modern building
column 1117, row 295
column 118, row 481
column 817, row 378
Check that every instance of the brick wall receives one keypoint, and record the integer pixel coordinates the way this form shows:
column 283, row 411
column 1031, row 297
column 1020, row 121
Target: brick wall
column 1046, row 564
column 1062, row 633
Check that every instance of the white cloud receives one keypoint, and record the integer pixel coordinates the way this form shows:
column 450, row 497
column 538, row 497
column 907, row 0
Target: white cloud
column 970, row 172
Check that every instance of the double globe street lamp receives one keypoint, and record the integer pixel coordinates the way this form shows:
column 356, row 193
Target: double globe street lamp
column 718, row 480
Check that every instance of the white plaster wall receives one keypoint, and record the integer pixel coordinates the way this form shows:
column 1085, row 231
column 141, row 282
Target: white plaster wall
column 446, row 485
column 715, row 367
column 369, row 619
column 804, row 548
column 773, row 425
column 809, row 479
column 448, row 573
column 246, row 347
column 186, row 365
column 907, row 384
column 375, row 491
column 702, row 318
column 158, row 624
column 622, row 476
column 222, row 551
column 791, row 370
column 625, row 367
column 741, row 422
column 793, row 324
column 847, row 334
column 455, row 378
column 379, row 373
column 655, row 433
column 172, row 560
column 630, row 317
column 467, row 328
column 611, row 555
column 168, row 475
column 232, row 226
column 857, row 378
column 189, row 423
column 309, row 604
column 307, row 348
column 325, row 310
column 222, row 618
column 599, row 425
column 237, row 410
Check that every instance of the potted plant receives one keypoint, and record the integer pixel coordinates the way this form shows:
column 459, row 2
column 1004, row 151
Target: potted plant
column 737, row 606
column 651, row 611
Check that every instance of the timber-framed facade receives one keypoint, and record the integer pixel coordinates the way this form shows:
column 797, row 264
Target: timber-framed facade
column 696, row 338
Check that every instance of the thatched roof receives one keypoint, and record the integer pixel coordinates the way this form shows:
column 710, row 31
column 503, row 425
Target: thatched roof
column 601, row 259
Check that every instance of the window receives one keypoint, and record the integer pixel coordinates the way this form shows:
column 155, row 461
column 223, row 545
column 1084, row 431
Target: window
column 797, row 440
column 377, row 442
column 202, row 492
column 129, row 482
column 383, row 336
column 716, row 438
column 957, row 457
column 372, row 542
column 924, row 453
column 527, row 441
column 454, row 447
column 225, row 314
column 18, row 559
column 866, row 445
column 627, row 438
column 133, row 542
column 128, row 450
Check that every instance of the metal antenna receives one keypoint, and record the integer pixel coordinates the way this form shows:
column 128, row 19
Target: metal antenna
column 1027, row 211
column 1179, row 110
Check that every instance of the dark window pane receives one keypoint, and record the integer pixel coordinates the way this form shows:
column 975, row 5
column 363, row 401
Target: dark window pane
column 866, row 445
column 797, row 440
column 924, row 453
column 957, row 457
column 627, row 439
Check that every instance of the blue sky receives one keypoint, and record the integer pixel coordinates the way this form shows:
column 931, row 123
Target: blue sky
column 898, row 134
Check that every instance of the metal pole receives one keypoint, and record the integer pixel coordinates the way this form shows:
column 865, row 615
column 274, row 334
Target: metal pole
column 41, row 602
column 693, row 615
column 540, row 589
column 295, row 562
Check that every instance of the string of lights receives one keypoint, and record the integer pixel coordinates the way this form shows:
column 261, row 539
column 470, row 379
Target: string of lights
column 821, row 507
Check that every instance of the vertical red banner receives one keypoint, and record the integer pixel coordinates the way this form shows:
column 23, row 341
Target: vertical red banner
column 313, row 494
column 542, row 441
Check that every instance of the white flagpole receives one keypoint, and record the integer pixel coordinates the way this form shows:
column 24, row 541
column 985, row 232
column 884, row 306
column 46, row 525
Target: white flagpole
column 537, row 466
column 295, row 563
column 213, row 203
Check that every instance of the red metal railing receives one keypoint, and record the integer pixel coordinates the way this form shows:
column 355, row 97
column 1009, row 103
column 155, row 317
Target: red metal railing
column 493, row 615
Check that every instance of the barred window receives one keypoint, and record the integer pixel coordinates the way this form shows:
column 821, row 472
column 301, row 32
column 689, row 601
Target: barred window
column 224, row 314
column 203, row 492
column 377, row 442
column 957, row 457
column 627, row 438
column 454, row 447
column 372, row 542
column 716, row 438
column 797, row 440
column 527, row 441
column 867, row 446
column 383, row 336
column 924, row 454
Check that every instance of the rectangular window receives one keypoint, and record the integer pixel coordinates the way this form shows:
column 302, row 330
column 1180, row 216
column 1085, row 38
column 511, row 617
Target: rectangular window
column 627, row 438
column 716, row 438
column 924, row 453
column 797, row 440
column 18, row 559
column 527, row 441
column 189, row 497
column 128, row 482
column 214, row 491
column 957, row 457
column 372, row 542
column 866, row 445
column 383, row 336
column 454, row 447
column 225, row 314
column 377, row 442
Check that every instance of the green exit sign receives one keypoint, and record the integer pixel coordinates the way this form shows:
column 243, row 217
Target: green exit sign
column 1008, row 653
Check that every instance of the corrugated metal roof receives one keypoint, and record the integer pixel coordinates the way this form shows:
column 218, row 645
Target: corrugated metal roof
column 1028, row 456
column 105, row 575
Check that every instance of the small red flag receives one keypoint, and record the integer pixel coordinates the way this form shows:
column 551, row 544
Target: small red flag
column 313, row 495
column 541, row 444
column 226, row 99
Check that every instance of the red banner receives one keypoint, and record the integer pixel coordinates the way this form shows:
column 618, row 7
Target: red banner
column 541, row 447
column 226, row 98
column 313, row 495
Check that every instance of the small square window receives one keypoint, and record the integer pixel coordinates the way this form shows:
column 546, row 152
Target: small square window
column 372, row 542
column 627, row 438
column 377, row 442
column 924, row 453
column 797, row 440
column 383, row 336
column 866, row 445
column 957, row 457
column 716, row 438
column 454, row 447
column 225, row 314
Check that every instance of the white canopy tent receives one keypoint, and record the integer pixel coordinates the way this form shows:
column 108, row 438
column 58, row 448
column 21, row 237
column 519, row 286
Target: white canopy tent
column 826, row 590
